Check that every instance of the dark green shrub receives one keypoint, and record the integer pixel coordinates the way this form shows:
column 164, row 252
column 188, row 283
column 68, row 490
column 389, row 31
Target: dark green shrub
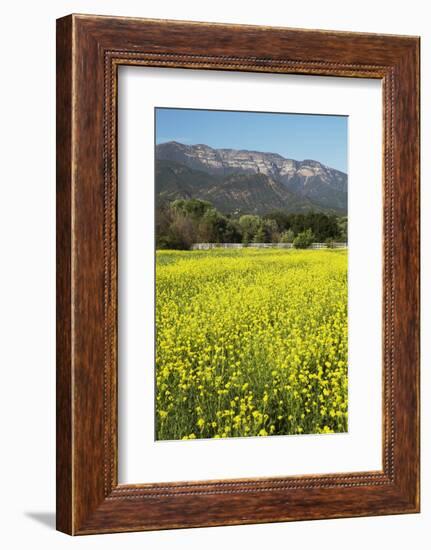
column 303, row 239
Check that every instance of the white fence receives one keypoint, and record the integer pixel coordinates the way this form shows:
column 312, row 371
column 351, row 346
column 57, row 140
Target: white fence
column 208, row 246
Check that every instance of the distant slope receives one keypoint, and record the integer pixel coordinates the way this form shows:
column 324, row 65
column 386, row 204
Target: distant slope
column 176, row 181
column 236, row 193
column 247, row 181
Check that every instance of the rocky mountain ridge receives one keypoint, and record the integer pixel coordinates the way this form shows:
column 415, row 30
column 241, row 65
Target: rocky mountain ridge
column 251, row 181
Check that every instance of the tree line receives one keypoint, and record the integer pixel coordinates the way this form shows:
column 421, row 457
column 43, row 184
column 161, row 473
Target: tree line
column 184, row 222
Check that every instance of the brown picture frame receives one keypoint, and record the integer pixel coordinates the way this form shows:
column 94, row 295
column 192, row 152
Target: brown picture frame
column 89, row 51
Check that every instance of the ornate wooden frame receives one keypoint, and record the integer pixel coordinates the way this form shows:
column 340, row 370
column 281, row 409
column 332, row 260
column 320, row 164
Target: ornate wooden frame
column 89, row 51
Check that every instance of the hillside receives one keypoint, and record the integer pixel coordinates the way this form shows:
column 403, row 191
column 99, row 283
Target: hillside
column 247, row 181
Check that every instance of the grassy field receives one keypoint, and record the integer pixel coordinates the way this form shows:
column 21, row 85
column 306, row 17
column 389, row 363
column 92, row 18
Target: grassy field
column 250, row 342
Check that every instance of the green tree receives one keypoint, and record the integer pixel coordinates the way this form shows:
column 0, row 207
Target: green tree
column 342, row 228
column 280, row 218
column 259, row 236
column 193, row 208
column 181, row 232
column 287, row 236
column 249, row 225
column 303, row 239
column 271, row 232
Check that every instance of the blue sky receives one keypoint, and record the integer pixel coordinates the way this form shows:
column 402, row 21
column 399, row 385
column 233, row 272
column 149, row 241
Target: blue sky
column 318, row 137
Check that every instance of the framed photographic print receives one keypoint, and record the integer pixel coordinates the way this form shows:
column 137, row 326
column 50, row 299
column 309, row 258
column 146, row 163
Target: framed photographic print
column 237, row 274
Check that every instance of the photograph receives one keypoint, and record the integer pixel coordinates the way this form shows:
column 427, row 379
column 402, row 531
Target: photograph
column 251, row 245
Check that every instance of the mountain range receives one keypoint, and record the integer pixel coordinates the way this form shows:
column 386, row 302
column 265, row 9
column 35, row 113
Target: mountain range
column 247, row 182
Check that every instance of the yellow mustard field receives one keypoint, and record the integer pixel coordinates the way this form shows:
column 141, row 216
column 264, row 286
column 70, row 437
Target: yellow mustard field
column 250, row 342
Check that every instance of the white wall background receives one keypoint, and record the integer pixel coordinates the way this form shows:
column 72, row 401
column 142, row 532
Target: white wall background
column 27, row 280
